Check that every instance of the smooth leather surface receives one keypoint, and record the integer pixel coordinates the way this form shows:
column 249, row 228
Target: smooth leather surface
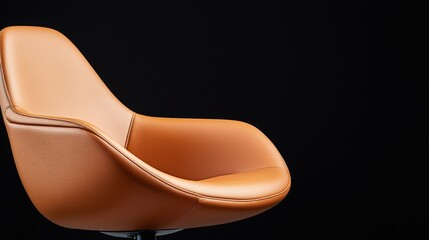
column 88, row 162
column 215, row 147
column 47, row 75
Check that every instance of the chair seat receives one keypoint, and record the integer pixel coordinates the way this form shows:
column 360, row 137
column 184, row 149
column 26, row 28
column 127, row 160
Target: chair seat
column 245, row 186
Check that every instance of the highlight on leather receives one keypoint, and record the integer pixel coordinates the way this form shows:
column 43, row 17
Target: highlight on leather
column 89, row 162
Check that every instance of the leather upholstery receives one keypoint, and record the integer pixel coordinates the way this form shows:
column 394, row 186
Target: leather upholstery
column 46, row 75
column 88, row 162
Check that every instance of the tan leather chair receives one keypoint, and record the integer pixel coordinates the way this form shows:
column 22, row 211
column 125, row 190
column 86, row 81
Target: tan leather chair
column 88, row 162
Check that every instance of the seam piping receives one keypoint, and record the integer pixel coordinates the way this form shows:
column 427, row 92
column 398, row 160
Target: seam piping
column 130, row 127
column 178, row 188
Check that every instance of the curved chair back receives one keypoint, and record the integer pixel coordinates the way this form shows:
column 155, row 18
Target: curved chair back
column 47, row 75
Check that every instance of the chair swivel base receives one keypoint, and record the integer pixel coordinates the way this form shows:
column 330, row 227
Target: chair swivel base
column 141, row 235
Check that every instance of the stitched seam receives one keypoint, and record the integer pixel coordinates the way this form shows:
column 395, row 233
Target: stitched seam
column 127, row 139
column 179, row 219
column 3, row 80
column 120, row 152
column 45, row 118
column 286, row 189
column 159, row 178
column 6, row 108
column 223, row 175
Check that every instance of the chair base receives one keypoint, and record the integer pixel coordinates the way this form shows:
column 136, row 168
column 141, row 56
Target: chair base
column 142, row 235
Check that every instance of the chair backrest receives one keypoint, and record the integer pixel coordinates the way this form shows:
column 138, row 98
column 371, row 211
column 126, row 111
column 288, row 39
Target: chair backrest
column 46, row 75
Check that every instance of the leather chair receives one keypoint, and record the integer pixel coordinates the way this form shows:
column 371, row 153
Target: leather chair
column 88, row 162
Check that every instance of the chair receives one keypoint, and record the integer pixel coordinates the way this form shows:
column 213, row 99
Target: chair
column 88, row 162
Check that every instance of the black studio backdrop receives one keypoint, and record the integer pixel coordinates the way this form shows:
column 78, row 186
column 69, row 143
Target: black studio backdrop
column 340, row 87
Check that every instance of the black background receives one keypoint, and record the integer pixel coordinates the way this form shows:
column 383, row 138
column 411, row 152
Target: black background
column 340, row 87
